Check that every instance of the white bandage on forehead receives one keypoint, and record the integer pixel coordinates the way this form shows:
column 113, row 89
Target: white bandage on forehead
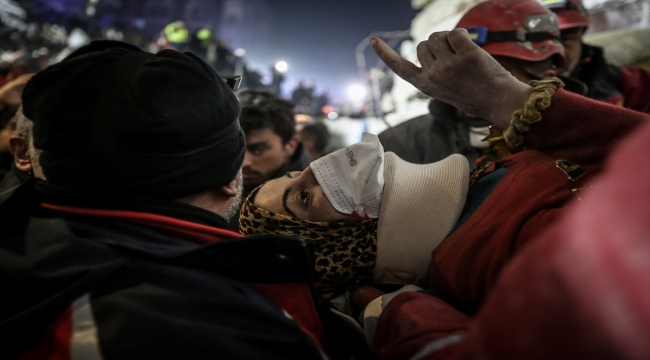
column 352, row 178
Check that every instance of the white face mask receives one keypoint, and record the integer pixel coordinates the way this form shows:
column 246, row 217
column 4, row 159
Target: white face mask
column 352, row 178
column 478, row 136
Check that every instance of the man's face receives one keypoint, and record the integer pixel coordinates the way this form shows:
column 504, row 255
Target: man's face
column 571, row 40
column 265, row 155
column 525, row 71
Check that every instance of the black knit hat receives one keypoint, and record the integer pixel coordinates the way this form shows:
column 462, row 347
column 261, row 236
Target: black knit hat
column 115, row 119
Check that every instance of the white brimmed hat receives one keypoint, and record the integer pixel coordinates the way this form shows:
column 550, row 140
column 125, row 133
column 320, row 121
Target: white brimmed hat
column 417, row 205
column 420, row 206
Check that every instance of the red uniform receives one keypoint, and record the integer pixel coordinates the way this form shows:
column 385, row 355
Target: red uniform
column 636, row 89
column 580, row 290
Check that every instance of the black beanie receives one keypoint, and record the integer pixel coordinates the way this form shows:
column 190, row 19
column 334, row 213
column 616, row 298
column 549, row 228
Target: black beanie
column 115, row 119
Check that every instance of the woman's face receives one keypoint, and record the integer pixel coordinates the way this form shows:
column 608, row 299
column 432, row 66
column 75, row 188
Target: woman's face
column 298, row 194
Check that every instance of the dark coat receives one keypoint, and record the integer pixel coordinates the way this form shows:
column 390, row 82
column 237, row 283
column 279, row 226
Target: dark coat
column 13, row 177
column 148, row 284
column 432, row 137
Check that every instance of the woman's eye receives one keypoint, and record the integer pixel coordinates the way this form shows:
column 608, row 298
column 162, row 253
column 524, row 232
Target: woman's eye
column 304, row 197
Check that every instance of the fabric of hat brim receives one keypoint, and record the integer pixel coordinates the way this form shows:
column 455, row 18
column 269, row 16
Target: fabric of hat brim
column 421, row 204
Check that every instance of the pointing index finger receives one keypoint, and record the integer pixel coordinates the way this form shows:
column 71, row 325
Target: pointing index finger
column 402, row 67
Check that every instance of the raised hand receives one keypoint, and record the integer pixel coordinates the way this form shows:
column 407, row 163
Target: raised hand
column 460, row 73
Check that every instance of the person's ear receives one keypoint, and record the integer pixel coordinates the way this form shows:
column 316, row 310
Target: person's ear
column 229, row 190
column 309, row 145
column 291, row 145
column 19, row 148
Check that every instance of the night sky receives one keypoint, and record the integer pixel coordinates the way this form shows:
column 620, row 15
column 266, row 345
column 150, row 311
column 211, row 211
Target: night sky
column 318, row 38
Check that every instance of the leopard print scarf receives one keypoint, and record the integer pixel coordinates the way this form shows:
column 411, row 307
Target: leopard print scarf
column 345, row 251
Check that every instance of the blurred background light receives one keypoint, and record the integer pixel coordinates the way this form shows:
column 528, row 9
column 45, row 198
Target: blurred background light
column 281, row 67
column 357, row 92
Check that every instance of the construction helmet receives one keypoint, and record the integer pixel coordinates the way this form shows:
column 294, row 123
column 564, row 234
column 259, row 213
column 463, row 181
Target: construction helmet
column 521, row 29
column 571, row 13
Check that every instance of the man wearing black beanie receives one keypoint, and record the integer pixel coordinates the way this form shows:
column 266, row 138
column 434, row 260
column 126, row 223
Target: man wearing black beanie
column 121, row 250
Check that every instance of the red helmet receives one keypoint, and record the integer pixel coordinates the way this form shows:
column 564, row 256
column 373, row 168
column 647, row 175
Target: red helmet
column 521, row 29
column 571, row 13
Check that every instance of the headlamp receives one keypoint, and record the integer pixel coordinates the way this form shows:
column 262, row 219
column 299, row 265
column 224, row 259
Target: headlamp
column 538, row 28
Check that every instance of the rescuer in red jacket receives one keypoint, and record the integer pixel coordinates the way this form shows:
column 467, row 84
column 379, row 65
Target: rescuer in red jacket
column 575, row 290
column 625, row 86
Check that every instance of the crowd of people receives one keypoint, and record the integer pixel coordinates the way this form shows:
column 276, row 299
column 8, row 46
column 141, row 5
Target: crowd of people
column 150, row 209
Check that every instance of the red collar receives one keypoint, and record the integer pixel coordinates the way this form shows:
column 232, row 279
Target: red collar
column 180, row 229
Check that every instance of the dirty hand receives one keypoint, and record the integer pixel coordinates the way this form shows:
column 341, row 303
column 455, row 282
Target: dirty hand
column 460, row 73
column 11, row 92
